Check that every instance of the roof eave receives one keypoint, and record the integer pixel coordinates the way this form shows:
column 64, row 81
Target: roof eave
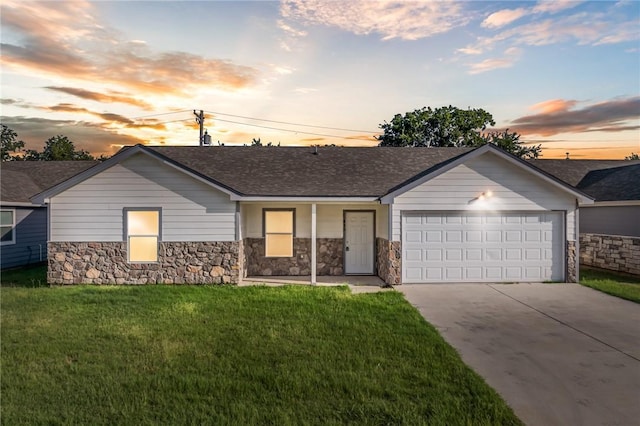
column 308, row 199
column 580, row 196
column 122, row 155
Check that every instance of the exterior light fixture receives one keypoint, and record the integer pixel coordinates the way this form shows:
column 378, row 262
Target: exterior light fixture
column 483, row 196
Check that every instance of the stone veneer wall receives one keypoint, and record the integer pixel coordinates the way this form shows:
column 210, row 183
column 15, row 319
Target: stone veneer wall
column 571, row 262
column 389, row 261
column 329, row 258
column 178, row 263
column 613, row 252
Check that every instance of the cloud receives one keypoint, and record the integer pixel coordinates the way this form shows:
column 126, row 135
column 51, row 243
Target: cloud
column 111, row 119
column 503, row 17
column 101, row 97
column 558, row 116
column 541, row 26
column 511, row 55
column 554, row 6
column 389, row 19
column 64, row 39
column 92, row 137
column 553, row 105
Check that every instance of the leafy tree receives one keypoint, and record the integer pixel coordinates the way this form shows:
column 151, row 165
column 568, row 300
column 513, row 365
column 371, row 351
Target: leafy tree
column 57, row 148
column 10, row 143
column 633, row 156
column 510, row 142
column 450, row 127
column 258, row 142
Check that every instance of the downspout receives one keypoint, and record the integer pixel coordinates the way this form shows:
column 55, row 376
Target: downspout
column 577, row 228
column 313, row 243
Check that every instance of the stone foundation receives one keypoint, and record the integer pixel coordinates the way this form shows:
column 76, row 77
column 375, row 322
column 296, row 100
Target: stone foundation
column 178, row 263
column 612, row 252
column 571, row 262
column 329, row 258
column 389, row 261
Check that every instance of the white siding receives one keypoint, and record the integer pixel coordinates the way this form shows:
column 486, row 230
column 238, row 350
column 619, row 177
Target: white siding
column 513, row 189
column 93, row 209
column 329, row 218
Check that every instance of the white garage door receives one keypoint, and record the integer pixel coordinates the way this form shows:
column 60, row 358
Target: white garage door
column 482, row 247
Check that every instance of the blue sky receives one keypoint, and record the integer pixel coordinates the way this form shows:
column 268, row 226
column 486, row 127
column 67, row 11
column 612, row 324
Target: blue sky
column 563, row 74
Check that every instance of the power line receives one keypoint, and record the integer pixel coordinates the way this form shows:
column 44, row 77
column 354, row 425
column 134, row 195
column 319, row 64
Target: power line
column 292, row 124
column 163, row 113
column 284, row 130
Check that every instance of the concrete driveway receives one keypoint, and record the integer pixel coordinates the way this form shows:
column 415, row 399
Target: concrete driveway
column 559, row 354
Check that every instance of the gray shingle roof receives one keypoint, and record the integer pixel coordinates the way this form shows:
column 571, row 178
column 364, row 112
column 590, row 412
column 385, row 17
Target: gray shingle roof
column 299, row 171
column 604, row 180
column 20, row 180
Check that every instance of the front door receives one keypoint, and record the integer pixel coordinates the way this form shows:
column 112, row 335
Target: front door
column 359, row 243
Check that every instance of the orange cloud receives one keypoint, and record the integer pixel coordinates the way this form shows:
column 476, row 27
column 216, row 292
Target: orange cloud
column 54, row 38
column 557, row 116
column 101, row 97
column 88, row 136
column 553, row 105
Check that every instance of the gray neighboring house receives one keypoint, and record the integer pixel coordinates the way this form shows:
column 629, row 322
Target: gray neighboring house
column 23, row 224
column 218, row 214
column 610, row 227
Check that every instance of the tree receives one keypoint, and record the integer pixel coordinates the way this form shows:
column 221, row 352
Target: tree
column 10, row 143
column 510, row 142
column 450, row 127
column 57, row 148
column 633, row 156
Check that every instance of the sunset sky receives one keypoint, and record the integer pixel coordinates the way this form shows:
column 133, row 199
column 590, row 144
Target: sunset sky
column 564, row 74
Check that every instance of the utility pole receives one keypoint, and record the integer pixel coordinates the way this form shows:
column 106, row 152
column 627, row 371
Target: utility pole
column 200, row 121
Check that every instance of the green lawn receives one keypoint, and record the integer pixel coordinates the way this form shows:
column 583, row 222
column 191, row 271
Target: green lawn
column 622, row 286
column 230, row 355
column 32, row 276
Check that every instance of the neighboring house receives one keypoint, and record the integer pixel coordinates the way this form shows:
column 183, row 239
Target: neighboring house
column 23, row 224
column 609, row 228
column 218, row 214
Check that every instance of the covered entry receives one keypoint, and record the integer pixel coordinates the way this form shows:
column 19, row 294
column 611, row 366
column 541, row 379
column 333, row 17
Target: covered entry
column 460, row 246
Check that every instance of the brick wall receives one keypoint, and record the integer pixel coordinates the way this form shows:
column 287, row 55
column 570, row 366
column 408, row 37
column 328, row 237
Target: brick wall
column 613, row 252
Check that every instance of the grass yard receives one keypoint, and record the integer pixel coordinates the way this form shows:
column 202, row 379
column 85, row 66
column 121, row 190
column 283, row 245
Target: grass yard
column 230, row 355
column 625, row 287
column 32, row 276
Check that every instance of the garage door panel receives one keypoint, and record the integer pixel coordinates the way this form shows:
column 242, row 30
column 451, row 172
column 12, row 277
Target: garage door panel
column 473, row 254
column 476, row 247
column 473, row 236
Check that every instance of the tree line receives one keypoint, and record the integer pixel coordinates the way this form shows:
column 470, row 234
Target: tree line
column 446, row 126
column 56, row 148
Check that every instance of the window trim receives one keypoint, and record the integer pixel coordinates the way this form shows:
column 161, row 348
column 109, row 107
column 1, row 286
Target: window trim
column 13, row 227
column 264, row 229
column 125, row 230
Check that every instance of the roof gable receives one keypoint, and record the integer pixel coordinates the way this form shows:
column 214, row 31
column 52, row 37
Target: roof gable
column 488, row 148
column 116, row 159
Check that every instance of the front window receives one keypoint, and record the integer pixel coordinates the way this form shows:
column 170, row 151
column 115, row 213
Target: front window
column 7, row 227
column 143, row 234
column 278, row 233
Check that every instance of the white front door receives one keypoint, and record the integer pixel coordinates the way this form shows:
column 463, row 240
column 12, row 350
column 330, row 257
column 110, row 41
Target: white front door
column 359, row 243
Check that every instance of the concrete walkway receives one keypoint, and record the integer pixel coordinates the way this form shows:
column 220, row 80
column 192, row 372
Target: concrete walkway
column 559, row 354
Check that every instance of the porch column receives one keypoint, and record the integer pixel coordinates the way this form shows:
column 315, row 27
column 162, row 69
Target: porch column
column 313, row 243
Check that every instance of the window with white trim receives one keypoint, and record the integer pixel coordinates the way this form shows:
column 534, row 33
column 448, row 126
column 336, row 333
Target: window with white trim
column 7, row 227
column 279, row 225
column 142, row 232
